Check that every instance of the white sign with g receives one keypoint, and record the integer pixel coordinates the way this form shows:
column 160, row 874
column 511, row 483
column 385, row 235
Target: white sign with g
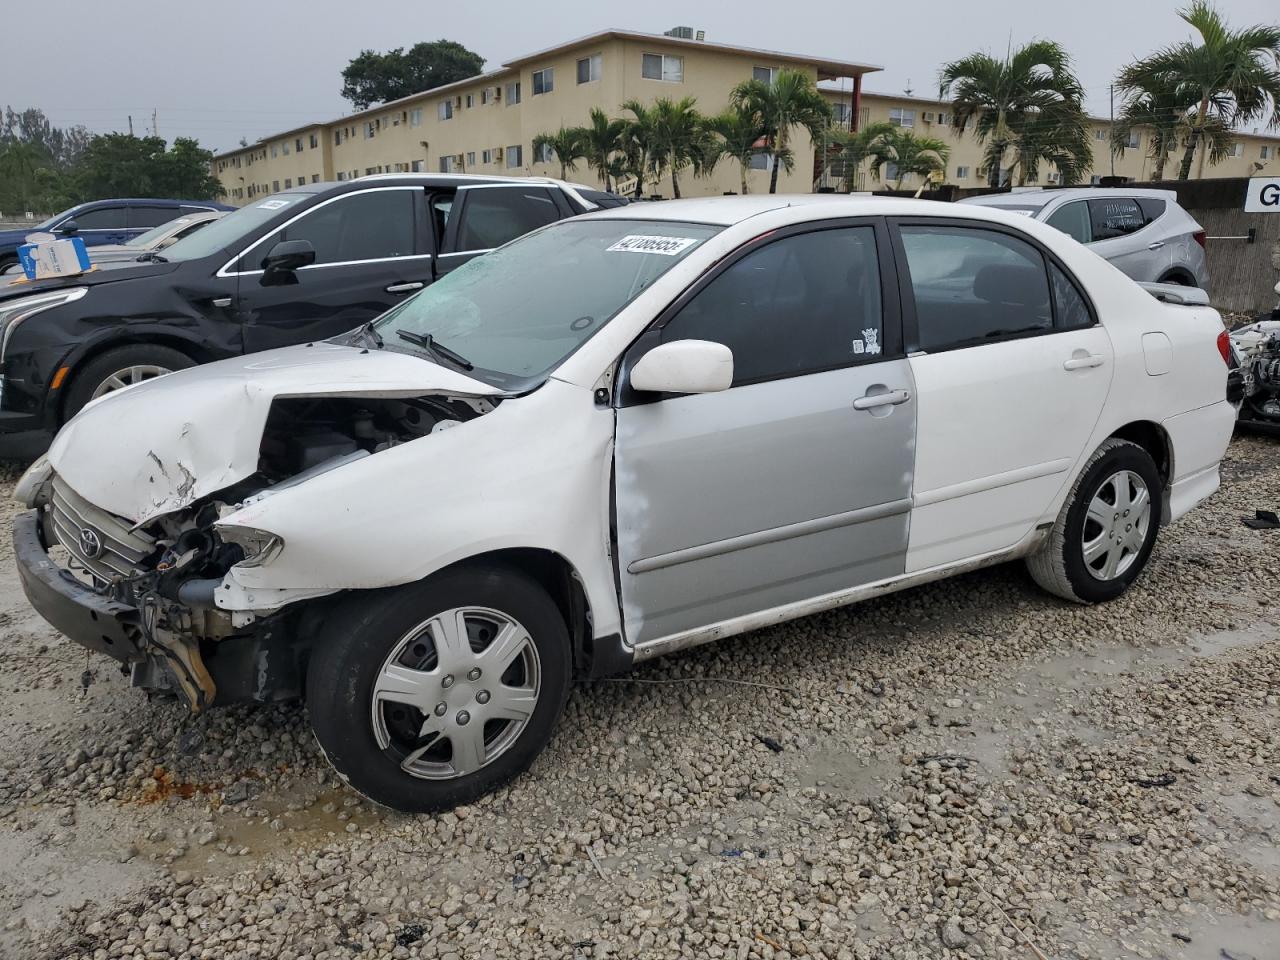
column 1263, row 195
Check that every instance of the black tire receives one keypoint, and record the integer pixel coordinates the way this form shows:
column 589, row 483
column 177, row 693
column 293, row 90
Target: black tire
column 365, row 630
column 87, row 379
column 1060, row 566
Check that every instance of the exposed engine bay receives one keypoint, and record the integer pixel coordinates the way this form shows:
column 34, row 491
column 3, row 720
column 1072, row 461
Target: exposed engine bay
column 1257, row 349
column 169, row 568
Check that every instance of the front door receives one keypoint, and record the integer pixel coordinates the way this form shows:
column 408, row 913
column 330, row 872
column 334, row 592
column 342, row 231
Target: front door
column 484, row 216
column 373, row 249
column 1011, row 369
column 794, row 482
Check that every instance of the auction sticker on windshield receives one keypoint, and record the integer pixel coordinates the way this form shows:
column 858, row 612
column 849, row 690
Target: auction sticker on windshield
column 666, row 246
column 273, row 204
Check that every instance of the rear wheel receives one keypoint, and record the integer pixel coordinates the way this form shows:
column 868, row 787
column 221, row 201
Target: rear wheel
column 1106, row 529
column 119, row 368
column 436, row 693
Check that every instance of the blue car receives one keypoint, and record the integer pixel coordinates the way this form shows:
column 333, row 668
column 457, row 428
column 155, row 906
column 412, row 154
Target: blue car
column 103, row 221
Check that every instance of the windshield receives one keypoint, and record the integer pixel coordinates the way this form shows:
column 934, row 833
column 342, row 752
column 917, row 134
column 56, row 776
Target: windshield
column 228, row 231
column 517, row 313
column 156, row 234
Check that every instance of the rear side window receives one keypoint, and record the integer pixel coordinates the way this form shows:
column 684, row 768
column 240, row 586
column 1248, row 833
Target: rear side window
column 147, row 217
column 1073, row 220
column 103, row 218
column 373, row 225
column 974, row 286
column 801, row 304
column 492, row 217
column 1115, row 217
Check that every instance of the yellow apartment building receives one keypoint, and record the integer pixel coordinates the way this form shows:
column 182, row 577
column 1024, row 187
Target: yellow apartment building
column 486, row 124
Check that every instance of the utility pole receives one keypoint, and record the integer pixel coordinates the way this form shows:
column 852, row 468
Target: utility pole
column 1112, row 136
column 155, row 131
column 131, row 125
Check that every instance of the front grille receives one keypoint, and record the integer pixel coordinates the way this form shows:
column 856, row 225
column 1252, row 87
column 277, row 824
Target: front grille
column 99, row 543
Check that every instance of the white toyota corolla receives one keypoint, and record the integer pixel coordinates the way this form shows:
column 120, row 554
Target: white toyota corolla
column 621, row 435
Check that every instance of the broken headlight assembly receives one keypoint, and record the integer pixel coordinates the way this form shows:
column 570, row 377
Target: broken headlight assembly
column 260, row 546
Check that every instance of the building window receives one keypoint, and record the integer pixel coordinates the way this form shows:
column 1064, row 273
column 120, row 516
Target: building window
column 485, row 96
column 901, row 117
column 297, row 145
column 337, row 137
column 447, row 164
column 543, row 153
column 764, row 74
column 1265, row 153
column 515, row 156
column 275, row 186
column 962, row 173
column 544, row 81
column 841, row 112
column 415, row 117
column 444, row 109
column 275, row 151
column 1134, row 141
column 589, row 68
column 761, row 160
column 486, row 156
column 944, row 119
column 470, row 100
column 661, row 66
column 1237, row 150
column 513, row 93
column 471, row 158
column 1100, row 134
column 288, row 182
column 315, row 178
column 369, row 130
column 890, row 172
column 315, row 141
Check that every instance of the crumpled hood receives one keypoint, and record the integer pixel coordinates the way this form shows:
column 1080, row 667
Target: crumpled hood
column 161, row 445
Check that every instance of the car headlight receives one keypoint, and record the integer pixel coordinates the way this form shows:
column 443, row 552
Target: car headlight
column 259, row 546
column 14, row 312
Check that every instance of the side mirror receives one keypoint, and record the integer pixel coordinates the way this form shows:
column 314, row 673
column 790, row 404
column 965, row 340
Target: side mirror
column 283, row 259
column 69, row 228
column 684, row 366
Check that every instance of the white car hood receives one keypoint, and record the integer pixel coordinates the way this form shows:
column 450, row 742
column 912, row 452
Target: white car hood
column 161, row 445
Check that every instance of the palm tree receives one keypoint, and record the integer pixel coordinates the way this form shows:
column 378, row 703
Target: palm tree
column 791, row 100
column 740, row 135
column 1233, row 76
column 1158, row 106
column 601, row 141
column 678, row 139
column 857, row 146
column 638, row 136
column 567, row 144
column 1032, row 93
column 909, row 154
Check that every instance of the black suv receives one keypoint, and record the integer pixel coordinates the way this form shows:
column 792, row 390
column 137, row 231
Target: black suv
column 306, row 264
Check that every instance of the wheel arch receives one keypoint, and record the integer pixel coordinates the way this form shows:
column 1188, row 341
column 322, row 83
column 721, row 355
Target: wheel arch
column 1153, row 438
column 77, row 360
column 1179, row 275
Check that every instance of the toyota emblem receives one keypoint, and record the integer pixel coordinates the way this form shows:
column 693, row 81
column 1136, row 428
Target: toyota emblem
column 90, row 544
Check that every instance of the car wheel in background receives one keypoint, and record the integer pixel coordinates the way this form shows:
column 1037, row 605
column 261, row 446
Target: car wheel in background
column 1106, row 529
column 436, row 693
column 119, row 368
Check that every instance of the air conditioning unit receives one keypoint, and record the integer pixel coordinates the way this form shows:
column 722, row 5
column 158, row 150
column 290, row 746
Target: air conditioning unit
column 927, row 116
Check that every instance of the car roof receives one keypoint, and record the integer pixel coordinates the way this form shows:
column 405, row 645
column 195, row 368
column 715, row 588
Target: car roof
column 722, row 211
column 154, row 202
column 1038, row 198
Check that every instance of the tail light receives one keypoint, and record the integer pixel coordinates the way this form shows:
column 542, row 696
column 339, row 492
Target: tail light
column 1199, row 237
column 1224, row 347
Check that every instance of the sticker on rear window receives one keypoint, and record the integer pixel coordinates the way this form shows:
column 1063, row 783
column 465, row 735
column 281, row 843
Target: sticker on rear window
column 666, row 246
column 273, row 204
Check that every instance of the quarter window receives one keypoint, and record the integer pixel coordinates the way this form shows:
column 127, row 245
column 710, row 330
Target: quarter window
column 660, row 66
column 798, row 305
column 371, row 225
column 974, row 286
column 1073, row 220
column 1069, row 308
column 1115, row 217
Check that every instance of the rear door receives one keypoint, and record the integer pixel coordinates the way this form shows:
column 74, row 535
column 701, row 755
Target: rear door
column 143, row 218
column 103, row 225
column 482, row 217
column 373, row 249
column 1011, row 370
column 1119, row 236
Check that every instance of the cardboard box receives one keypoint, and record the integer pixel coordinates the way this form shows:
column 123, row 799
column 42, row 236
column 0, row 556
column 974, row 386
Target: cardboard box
column 44, row 256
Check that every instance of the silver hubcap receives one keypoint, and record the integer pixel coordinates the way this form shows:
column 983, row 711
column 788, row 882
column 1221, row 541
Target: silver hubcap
column 129, row 376
column 456, row 692
column 1115, row 528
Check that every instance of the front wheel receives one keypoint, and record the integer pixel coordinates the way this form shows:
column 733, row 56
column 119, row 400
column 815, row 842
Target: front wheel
column 1106, row 529
column 121, row 367
column 436, row 693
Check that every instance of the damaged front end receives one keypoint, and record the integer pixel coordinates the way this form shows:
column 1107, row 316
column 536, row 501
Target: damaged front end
column 145, row 590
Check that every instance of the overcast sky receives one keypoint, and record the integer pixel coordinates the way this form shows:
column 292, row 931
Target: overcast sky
column 234, row 68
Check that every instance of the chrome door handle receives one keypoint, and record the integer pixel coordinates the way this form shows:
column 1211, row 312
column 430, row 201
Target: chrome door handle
column 221, row 301
column 1083, row 363
column 1156, row 245
column 405, row 287
column 892, row 398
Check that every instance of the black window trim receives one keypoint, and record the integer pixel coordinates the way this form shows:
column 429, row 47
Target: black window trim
column 1062, row 206
column 910, row 328
column 890, row 298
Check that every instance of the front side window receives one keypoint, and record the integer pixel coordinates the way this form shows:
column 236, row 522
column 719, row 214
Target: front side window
column 661, row 66
column 590, row 68
column 103, row 218
column 800, row 304
column 1115, row 217
column 543, row 81
column 371, row 225
column 974, row 286
column 1073, row 220
column 518, row 312
column 494, row 216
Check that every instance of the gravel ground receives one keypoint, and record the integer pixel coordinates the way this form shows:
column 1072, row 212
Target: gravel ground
column 969, row 769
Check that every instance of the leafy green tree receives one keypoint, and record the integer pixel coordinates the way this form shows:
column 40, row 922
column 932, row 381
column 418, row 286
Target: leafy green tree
column 679, row 138
column 857, row 146
column 1231, row 77
column 740, row 133
column 601, row 143
column 118, row 165
column 374, row 77
column 909, row 154
column 791, row 100
column 567, row 144
column 1033, row 95
column 638, row 136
